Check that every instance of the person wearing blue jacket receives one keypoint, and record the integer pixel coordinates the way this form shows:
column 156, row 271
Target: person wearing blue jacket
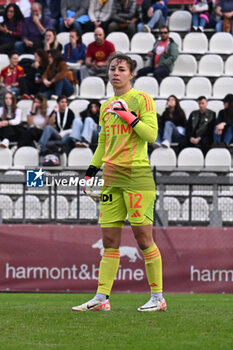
column 75, row 50
column 154, row 15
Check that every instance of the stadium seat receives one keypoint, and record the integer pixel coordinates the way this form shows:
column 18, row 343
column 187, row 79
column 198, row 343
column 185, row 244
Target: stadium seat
column 4, row 60
column 215, row 105
column 189, row 106
column 92, row 88
column 222, row 86
column 229, row 66
column 88, row 38
column 177, row 189
column 200, row 209
column 198, row 86
column 225, row 205
column 11, row 188
column 221, row 43
column 62, row 211
column 185, row 65
column 51, row 103
column 180, row 21
column 5, row 158
column 63, row 38
column 120, row 41
column 32, row 208
column 196, row 43
column 172, row 205
column 87, row 208
column 6, row 207
column 190, row 158
column 27, row 56
column 163, row 159
column 138, row 59
column 177, row 38
column 147, row 84
column 80, row 157
column 142, row 43
column 78, row 106
column 210, row 66
column 160, row 106
column 109, row 90
column 170, row 86
column 218, row 159
column 25, row 106
column 26, row 156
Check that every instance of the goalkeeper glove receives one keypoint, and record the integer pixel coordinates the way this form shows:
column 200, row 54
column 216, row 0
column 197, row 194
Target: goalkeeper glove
column 120, row 108
column 88, row 189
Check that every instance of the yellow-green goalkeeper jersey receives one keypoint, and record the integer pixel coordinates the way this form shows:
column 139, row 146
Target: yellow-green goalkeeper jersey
column 123, row 149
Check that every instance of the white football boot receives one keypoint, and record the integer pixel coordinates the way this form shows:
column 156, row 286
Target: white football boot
column 154, row 304
column 93, row 305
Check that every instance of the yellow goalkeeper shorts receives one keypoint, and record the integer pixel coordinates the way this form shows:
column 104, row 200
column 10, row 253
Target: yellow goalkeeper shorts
column 116, row 203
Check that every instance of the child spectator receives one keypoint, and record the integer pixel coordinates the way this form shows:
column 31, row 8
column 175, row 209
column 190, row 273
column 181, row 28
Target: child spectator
column 11, row 74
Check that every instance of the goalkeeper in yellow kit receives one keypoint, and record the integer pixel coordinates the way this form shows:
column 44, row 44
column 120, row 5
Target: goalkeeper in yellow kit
column 128, row 122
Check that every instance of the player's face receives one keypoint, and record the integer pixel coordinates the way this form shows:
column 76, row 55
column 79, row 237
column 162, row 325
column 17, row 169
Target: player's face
column 119, row 74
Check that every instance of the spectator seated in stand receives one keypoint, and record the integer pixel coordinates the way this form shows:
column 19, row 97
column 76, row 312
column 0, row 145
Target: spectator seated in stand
column 171, row 124
column 32, row 83
column 200, row 126
column 57, row 78
column 123, row 17
column 163, row 56
column 154, row 15
column 200, row 10
column 97, row 56
column 224, row 9
column 52, row 9
column 99, row 12
column 37, row 119
column 50, row 41
column 223, row 132
column 85, row 129
column 74, row 15
column 33, row 30
column 75, row 51
column 10, row 74
column 10, row 120
column 59, row 125
column 11, row 29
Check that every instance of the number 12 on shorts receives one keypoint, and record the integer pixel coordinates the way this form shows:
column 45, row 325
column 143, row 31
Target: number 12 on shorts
column 132, row 198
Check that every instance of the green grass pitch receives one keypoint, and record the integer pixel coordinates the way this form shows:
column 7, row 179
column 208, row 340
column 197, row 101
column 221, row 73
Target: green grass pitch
column 45, row 321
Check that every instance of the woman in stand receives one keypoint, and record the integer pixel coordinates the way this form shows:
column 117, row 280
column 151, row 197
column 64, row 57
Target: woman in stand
column 57, row 78
column 11, row 29
column 37, row 119
column 172, row 124
column 10, row 120
column 50, row 41
column 127, row 123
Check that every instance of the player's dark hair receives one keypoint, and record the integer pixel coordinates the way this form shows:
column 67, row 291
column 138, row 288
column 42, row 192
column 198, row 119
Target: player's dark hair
column 132, row 64
column 200, row 98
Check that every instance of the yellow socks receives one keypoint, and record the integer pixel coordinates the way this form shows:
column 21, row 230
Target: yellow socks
column 153, row 264
column 108, row 269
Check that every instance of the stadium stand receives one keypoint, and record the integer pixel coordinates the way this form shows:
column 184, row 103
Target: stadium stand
column 211, row 66
column 5, row 158
column 222, row 86
column 141, row 43
column 147, row 84
column 26, row 156
column 80, row 157
column 120, row 41
column 92, row 88
column 163, row 159
column 180, row 21
column 218, row 159
column 185, row 65
column 221, row 43
column 170, row 85
column 198, row 86
column 190, row 158
column 196, row 43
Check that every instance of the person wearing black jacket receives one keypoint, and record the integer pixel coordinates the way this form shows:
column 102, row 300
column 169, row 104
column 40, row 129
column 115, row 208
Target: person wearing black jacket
column 200, row 126
column 85, row 129
column 171, row 124
column 223, row 131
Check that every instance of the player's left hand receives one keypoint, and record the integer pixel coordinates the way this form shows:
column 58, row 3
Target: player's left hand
column 120, row 108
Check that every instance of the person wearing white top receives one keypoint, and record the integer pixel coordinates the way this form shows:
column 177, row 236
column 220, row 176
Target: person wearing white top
column 10, row 120
column 37, row 119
